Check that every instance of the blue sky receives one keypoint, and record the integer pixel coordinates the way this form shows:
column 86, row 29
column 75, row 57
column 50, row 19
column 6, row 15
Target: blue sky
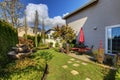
column 58, row 7
column 51, row 11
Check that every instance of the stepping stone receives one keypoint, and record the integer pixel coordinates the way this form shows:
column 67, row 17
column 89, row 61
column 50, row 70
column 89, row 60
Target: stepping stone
column 74, row 72
column 87, row 79
column 76, row 65
column 69, row 62
column 77, row 61
column 84, row 63
column 65, row 66
column 72, row 59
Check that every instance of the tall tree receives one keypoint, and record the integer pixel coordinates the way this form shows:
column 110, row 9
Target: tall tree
column 3, row 11
column 26, row 27
column 12, row 11
column 43, row 31
column 36, row 23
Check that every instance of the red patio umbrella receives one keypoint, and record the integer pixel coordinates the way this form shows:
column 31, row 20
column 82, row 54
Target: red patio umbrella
column 81, row 36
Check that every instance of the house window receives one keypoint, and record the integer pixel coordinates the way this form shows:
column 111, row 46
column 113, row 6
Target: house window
column 113, row 39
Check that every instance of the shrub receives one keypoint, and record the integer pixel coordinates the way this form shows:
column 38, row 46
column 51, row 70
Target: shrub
column 43, row 46
column 57, row 44
column 71, row 46
column 44, row 55
column 109, row 74
column 117, row 76
column 109, row 60
column 51, row 44
column 57, row 49
column 28, row 42
column 98, row 56
column 39, row 38
column 64, row 45
column 8, row 38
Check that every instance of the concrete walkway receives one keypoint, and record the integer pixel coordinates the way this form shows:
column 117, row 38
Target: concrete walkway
column 87, row 58
column 81, row 57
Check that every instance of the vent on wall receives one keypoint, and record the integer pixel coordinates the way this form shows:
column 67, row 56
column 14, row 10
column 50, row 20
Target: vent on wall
column 94, row 28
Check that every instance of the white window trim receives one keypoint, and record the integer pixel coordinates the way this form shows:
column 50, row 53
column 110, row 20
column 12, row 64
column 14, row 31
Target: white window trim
column 106, row 36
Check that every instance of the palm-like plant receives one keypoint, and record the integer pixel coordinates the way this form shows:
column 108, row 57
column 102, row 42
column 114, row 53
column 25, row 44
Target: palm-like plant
column 64, row 33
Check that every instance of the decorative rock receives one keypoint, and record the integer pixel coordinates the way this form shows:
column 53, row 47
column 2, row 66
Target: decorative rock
column 22, row 55
column 76, row 65
column 14, row 48
column 74, row 72
column 65, row 66
column 12, row 53
column 20, row 51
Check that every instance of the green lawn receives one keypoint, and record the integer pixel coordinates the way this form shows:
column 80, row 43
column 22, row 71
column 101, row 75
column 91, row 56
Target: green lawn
column 57, row 72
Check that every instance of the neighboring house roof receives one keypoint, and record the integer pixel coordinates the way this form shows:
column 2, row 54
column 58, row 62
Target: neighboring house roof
column 79, row 9
column 49, row 31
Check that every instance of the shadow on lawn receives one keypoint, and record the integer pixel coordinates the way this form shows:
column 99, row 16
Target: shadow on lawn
column 110, row 75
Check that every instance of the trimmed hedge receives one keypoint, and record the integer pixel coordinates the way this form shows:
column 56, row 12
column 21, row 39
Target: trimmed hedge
column 117, row 76
column 8, row 39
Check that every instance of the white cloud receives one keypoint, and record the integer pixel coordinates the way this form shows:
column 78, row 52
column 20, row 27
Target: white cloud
column 30, row 12
column 65, row 14
column 55, row 21
column 43, row 14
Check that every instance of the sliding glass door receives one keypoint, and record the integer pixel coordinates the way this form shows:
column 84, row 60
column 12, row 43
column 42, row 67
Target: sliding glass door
column 113, row 39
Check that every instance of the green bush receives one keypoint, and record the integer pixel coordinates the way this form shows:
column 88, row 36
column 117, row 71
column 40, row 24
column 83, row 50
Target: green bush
column 44, row 55
column 117, row 76
column 51, row 44
column 57, row 49
column 39, row 38
column 109, row 74
column 8, row 39
column 57, row 44
column 71, row 46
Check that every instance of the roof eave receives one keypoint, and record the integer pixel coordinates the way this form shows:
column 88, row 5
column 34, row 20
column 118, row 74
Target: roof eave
column 87, row 4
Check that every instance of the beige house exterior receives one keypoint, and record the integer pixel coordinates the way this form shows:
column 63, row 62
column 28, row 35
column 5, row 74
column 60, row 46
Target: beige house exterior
column 100, row 20
column 21, row 31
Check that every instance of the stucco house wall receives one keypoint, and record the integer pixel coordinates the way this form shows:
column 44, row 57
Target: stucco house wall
column 94, row 19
